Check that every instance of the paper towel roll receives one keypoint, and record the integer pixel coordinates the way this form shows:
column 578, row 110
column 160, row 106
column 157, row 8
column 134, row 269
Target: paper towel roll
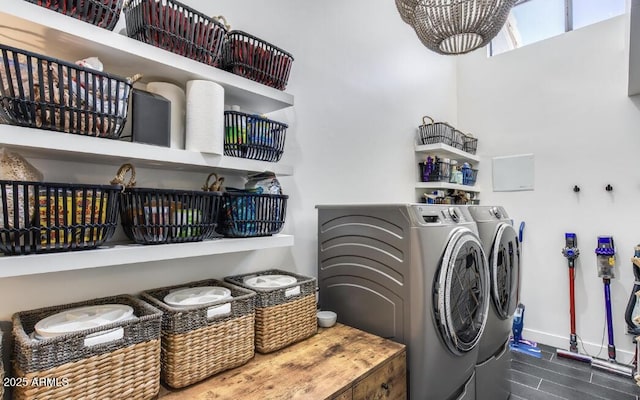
column 205, row 117
column 176, row 96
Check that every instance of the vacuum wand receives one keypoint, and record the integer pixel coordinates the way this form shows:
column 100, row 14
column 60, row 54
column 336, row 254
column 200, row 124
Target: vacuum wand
column 571, row 252
column 605, row 253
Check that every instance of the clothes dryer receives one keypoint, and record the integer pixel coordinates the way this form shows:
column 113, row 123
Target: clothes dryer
column 500, row 242
column 413, row 273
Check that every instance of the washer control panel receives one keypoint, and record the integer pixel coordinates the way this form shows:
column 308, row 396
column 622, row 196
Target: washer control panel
column 439, row 214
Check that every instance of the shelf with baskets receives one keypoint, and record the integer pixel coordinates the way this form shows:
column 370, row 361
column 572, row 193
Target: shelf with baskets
column 117, row 254
column 37, row 29
column 447, row 152
column 445, row 186
column 62, row 146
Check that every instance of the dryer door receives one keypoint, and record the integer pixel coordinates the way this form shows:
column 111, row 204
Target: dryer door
column 462, row 292
column 504, row 268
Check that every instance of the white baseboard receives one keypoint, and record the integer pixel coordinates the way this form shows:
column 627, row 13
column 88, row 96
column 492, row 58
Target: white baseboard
column 562, row 342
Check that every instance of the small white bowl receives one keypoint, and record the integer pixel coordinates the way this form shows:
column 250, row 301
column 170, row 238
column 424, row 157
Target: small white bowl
column 326, row 319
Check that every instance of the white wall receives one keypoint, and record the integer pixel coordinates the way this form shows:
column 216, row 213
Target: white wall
column 361, row 80
column 564, row 100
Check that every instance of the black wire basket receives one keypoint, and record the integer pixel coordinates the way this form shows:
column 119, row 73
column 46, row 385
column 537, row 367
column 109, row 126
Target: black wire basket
column 470, row 144
column 102, row 13
column 41, row 217
column 155, row 216
column 247, row 214
column 255, row 59
column 173, row 26
column 439, row 171
column 438, row 132
column 253, row 137
column 469, row 176
column 42, row 92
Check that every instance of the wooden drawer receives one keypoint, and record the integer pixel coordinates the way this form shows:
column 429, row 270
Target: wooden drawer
column 387, row 382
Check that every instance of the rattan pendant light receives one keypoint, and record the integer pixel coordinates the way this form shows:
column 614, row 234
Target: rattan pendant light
column 455, row 26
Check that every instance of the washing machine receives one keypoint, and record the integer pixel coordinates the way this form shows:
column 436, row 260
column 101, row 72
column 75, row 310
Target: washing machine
column 501, row 244
column 413, row 273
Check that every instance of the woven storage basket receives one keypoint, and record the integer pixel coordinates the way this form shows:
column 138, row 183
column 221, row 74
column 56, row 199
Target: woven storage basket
column 284, row 315
column 253, row 137
column 37, row 91
column 175, row 27
column 102, row 13
column 44, row 217
column 127, row 368
column 437, row 132
column 201, row 341
column 253, row 58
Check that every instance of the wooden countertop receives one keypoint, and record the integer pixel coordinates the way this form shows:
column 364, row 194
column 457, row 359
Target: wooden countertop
column 316, row 368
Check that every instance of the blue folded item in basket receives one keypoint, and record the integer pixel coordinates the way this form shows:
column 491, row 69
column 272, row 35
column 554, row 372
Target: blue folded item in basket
column 241, row 212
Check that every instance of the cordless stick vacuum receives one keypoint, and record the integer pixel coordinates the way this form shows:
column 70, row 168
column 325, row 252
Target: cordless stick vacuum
column 605, row 253
column 571, row 252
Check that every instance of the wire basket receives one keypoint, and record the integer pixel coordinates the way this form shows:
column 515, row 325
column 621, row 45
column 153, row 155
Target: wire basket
column 155, row 216
column 253, row 137
column 42, row 92
column 246, row 55
column 102, row 13
column 247, row 214
column 439, row 171
column 437, row 132
column 284, row 315
column 470, row 144
column 125, row 366
column 173, row 26
column 39, row 217
column 203, row 340
column 469, row 176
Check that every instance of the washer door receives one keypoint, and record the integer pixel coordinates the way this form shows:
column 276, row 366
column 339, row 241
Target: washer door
column 504, row 268
column 462, row 292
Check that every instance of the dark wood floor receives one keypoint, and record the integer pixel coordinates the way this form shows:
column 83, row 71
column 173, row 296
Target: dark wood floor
column 554, row 378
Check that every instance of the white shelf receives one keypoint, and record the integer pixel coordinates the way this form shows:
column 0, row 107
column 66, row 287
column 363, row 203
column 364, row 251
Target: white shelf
column 108, row 256
column 39, row 143
column 31, row 27
column 448, row 151
column 445, row 185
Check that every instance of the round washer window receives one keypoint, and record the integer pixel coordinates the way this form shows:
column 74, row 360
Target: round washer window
column 504, row 268
column 462, row 292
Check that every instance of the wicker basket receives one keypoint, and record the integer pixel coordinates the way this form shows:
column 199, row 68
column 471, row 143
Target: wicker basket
column 284, row 315
column 127, row 368
column 102, row 13
column 154, row 216
column 42, row 92
column 246, row 55
column 175, row 27
column 201, row 341
column 40, row 217
column 248, row 214
column 438, row 132
column 253, row 137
